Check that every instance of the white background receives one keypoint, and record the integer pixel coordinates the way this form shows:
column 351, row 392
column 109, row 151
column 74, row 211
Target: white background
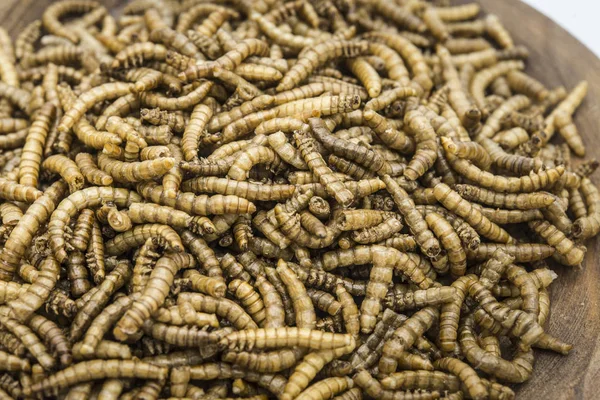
column 579, row 17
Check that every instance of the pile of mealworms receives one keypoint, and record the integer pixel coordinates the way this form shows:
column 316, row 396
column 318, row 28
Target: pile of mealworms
column 306, row 199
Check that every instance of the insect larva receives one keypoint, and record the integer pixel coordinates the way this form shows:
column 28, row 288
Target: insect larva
column 135, row 171
column 359, row 154
column 519, row 370
column 513, row 322
column 379, row 232
column 26, row 38
column 450, row 314
column 249, row 158
column 324, row 301
column 31, row 342
column 276, row 337
column 162, row 234
column 102, row 323
column 312, row 224
column 32, row 150
column 115, row 280
column 12, row 344
column 319, row 55
column 59, row 303
column 216, row 14
column 526, row 286
column 172, row 179
column 496, row 30
column 180, row 336
column 10, row 385
column 209, row 285
column 232, row 269
column 228, row 61
column 326, row 281
column 405, row 336
column 53, row 337
column 80, row 391
column 319, row 207
column 52, row 14
column 317, row 165
column 471, row 151
column 435, row 24
column 493, row 123
column 222, row 307
column 484, row 78
column 141, row 213
column 150, row 152
column 400, row 15
column 301, row 109
column 107, row 91
column 242, row 232
column 111, row 389
column 380, row 275
column 303, row 307
column 461, row 207
column 194, row 129
column 450, row 241
column 35, row 296
column 366, row 74
column 285, row 150
column 413, row 218
column 201, row 90
column 197, row 205
column 97, row 369
column 418, row 298
column 351, row 220
column 373, row 388
column 203, row 252
column 326, row 388
column 22, row 234
column 291, row 227
column 589, row 225
column 265, row 362
column 11, row 190
column 227, row 117
column 522, row 201
column 567, row 252
column 511, row 162
column 280, row 36
column 467, row 375
column 414, row 362
column 249, row 299
column 511, row 138
column 157, row 288
column 14, row 363
column 349, row 168
column 425, row 380
column 90, row 170
column 265, row 248
column 494, row 268
column 274, row 310
column 67, row 169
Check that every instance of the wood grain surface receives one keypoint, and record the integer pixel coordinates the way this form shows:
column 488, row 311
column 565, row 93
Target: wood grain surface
column 556, row 59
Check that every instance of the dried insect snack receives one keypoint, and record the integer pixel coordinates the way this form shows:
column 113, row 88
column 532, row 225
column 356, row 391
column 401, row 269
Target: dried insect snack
column 227, row 168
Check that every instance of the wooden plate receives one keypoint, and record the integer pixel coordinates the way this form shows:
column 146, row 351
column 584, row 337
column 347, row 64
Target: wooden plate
column 557, row 58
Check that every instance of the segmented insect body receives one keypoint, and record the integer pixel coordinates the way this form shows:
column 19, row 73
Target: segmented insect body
column 303, row 307
column 31, row 157
column 317, row 165
column 405, row 336
column 23, row 233
column 413, row 218
column 219, row 192
column 156, row 289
